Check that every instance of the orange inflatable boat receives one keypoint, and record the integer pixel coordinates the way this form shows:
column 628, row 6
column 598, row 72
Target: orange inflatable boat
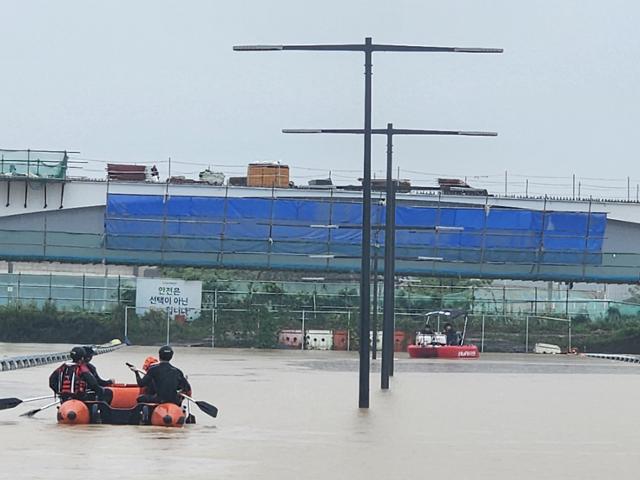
column 124, row 410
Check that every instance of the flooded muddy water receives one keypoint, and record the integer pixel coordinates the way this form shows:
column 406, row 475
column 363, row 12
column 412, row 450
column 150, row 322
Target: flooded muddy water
column 292, row 414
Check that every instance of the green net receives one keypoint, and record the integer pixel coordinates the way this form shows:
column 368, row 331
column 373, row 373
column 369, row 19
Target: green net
column 33, row 164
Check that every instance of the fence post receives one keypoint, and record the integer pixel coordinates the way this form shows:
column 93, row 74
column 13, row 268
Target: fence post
column 482, row 336
column 126, row 324
column 568, row 351
column 526, row 335
column 214, row 315
column 213, row 323
column 473, row 299
column 348, row 330
column 303, row 335
column 83, row 295
column 168, row 326
column 504, row 303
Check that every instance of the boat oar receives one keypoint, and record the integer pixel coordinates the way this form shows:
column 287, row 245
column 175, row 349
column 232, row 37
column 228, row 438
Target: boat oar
column 7, row 403
column 207, row 408
column 132, row 366
column 31, row 413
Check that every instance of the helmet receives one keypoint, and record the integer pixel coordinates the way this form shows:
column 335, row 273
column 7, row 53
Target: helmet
column 89, row 352
column 148, row 362
column 77, row 354
column 165, row 353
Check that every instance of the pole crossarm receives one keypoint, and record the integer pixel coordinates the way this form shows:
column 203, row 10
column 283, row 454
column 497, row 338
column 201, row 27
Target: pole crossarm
column 393, row 131
column 363, row 47
column 420, row 48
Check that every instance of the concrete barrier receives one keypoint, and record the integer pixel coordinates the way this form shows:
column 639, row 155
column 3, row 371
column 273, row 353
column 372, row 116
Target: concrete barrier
column 26, row 361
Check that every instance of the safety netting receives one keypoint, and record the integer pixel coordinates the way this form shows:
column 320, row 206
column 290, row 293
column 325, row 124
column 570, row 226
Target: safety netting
column 302, row 229
column 34, row 164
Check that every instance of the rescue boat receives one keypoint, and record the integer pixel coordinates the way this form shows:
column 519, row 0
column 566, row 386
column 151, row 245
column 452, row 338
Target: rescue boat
column 430, row 344
column 124, row 410
column 443, row 351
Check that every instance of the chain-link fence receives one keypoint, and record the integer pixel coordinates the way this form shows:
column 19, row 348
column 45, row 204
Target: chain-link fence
column 335, row 330
column 241, row 313
column 237, row 327
column 92, row 293
column 496, row 333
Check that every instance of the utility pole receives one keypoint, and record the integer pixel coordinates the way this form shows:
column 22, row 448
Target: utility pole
column 390, row 227
column 368, row 47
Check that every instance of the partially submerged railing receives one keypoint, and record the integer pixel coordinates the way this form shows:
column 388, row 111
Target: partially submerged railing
column 26, row 361
column 615, row 356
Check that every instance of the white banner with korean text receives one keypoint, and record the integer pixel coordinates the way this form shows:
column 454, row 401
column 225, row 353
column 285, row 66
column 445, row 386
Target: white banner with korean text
column 179, row 298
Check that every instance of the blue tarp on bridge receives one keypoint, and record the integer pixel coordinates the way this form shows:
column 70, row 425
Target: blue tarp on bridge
column 303, row 227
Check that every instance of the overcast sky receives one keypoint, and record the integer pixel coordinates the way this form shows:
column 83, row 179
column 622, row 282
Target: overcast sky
column 141, row 81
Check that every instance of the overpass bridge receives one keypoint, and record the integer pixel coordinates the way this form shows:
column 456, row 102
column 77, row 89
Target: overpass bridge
column 144, row 223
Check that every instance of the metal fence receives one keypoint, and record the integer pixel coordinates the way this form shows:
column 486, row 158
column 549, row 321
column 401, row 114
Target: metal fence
column 80, row 292
column 240, row 327
column 250, row 327
column 248, row 313
column 103, row 293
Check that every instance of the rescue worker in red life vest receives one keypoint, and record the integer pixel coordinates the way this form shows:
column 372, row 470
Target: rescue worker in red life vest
column 89, row 353
column 75, row 381
column 165, row 380
column 148, row 363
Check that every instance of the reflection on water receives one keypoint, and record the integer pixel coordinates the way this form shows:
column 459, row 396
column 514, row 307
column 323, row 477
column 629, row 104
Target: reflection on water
column 293, row 414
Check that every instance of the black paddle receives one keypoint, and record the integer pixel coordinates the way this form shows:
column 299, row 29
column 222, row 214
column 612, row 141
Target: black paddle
column 134, row 369
column 31, row 413
column 7, row 403
column 207, row 408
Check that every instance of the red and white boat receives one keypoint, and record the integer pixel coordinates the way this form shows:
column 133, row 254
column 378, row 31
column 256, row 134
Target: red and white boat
column 448, row 344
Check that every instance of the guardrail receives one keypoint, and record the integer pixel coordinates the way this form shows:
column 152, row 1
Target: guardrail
column 26, row 361
column 614, row 356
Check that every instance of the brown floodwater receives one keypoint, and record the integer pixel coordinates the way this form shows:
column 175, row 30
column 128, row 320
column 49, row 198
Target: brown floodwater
column 294, row 415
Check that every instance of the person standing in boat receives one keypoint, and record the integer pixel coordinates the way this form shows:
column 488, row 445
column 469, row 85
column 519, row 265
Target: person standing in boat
column 452, row 335
column 74, row 380
column 89, row 353
column 165, row 380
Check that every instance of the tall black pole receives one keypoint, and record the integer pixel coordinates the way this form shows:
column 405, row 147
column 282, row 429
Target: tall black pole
column 392, row 272
column 374, row 316
column 365, row 270
column 389, row 256
column 365, row 280
column 387, row 322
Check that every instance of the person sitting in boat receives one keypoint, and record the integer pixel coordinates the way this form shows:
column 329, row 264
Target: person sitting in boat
column 74, row 380
column 165, row 380
column 89, row 353
column 427, row 330
column 149, row 362
column 452, row 335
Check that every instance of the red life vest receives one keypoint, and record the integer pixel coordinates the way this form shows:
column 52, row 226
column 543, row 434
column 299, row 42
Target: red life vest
column 70, row 383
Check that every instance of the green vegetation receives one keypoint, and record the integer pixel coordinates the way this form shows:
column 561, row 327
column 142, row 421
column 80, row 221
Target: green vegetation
column 253, row 318
column 27, row 323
